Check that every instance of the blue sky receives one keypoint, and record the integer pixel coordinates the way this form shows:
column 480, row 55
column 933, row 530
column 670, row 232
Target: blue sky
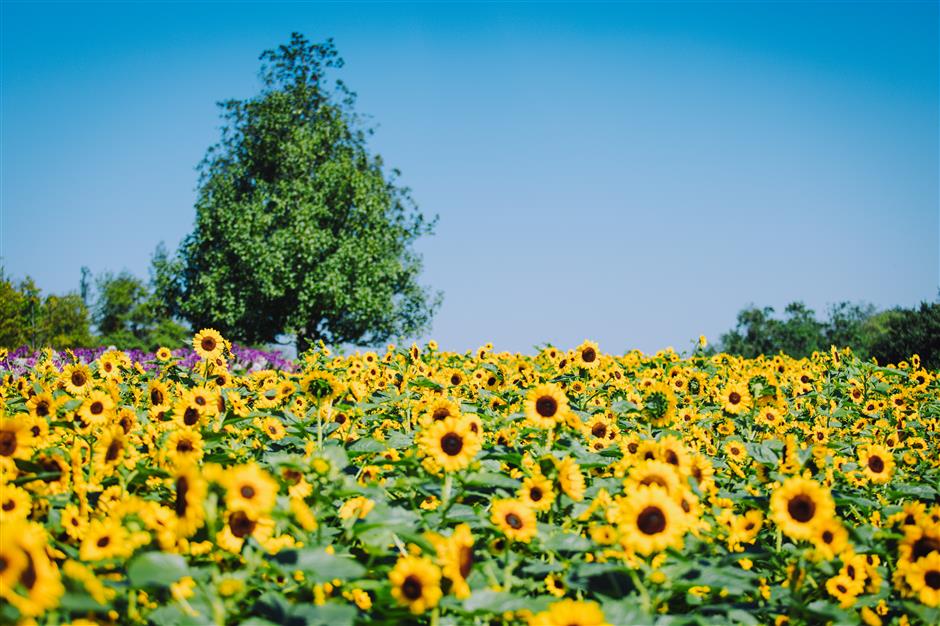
column 633, row 173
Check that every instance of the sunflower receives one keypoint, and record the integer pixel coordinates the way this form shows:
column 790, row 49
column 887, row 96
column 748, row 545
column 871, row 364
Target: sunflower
column 249, row 487
column 735, row 398
column 29, row 581
column 570, row 478
column 587, row 356
column 658, row 404
column 321, row 387
column 15, row 504
column 189, row 491
column 158, row 395
column 163, row 354
column 416, row 583
column 110, row 450
column 830, row 538
column 650, row 521
column 546, row 405
column 183, row 446
column 241, row 524
column 187, row 413
column 208, row 344
column 799, row 506
column 537, row 493
column 97, row 408
column 515, row 519
column 16, row 440
column 105, row 539
column 570, row 613
column 455, row 556
column 844, row 589
column 42, row 405
column 76, row 378
column 924, row 578
column 450, row 443
column 439, row 409
column 877, row 463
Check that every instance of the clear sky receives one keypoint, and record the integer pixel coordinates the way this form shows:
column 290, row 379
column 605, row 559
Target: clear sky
column 633, row 173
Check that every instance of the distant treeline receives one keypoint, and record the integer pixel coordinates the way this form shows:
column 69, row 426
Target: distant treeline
column 889, row 336
column 111, row 309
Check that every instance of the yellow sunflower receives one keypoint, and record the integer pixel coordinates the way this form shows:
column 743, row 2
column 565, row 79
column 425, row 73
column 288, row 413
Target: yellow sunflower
column 455, row 556
column 735, row 398
column 570, row 478
column 516, row 520
column 650, row 521
column 29, row 581
column 105, row 539
column 451, row 444
column 587, row 355
column 249, row 487
column 877, row 463
column 537, row 493
column 190, row 490
column 208, row 344
column 416, row 583
column 16, row 441
column 924, row 578
column 570, row 613
column 799, row 506
column 546, row 405
column 76, row 378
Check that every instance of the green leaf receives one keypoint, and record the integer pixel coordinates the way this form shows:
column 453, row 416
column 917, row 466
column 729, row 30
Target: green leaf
column 156, row 569
column 319, row 566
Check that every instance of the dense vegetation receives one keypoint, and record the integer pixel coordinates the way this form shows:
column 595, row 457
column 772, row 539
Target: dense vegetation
column 418, row 486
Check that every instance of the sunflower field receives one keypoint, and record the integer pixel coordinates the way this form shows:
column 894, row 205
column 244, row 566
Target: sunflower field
column 414, row 485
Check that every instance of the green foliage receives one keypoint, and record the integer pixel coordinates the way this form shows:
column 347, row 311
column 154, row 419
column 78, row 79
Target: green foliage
column 298, row 229
column 128, row 315
column 27, row 318
column 889, row 336
column 908, row 332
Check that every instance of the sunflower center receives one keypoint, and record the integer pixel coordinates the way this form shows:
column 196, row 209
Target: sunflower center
column 411, row 588
column 208, row 344
column 247, row 491
column 734, row 397
column 7, row 443
column 827, row 536
column 182, row 488
column 96, row 408
column 28, row 577
column 924, row 546
column 103, row 542
column 3, row 564
column 876, row 464
column 932, row 579
column 514, row 521
column 546, row 406
column 599, row 430
column 801, row 508
column 466, row 560
column 184, row 446
column 114, row 449
column 42, row 408
column 535, row 494
column 78, row 379
column 588, row 355
column 9, row 505
column 156, row 397
column 651, row 520
column 240, row 524
column 190, row 416
column 452, row 444
column 455, row 380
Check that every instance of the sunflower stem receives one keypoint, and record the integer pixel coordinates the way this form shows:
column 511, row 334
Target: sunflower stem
column 445, row 495
column 507, row 569
column 644, row 594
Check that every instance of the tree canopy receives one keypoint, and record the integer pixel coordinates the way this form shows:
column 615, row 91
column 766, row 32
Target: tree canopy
column 299, row 230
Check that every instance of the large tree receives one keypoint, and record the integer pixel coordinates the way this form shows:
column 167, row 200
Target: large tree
column 299, row 229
